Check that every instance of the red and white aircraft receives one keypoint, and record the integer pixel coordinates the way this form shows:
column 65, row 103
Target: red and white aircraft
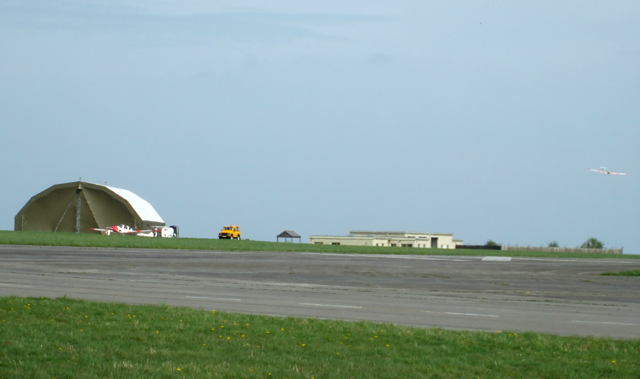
column 121, row 229
column 603, row 170
column 164, row 231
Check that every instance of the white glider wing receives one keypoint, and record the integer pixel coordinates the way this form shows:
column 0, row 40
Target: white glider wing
column 608, row 172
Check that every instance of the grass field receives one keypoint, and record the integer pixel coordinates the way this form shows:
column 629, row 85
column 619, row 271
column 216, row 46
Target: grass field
column 120, row 241
column 65, row 338
column 623, row 273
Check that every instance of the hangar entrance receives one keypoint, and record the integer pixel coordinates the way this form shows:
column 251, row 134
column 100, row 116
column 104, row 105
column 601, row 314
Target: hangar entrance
column 434, row 242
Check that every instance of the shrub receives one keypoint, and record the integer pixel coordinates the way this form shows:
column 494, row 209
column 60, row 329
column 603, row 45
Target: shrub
column 592, row 243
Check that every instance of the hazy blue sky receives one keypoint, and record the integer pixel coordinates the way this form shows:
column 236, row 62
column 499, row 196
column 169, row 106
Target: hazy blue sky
column 478, row 118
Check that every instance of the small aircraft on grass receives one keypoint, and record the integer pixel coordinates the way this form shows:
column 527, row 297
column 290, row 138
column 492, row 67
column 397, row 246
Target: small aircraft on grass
column 603, row 170
column 163, row 231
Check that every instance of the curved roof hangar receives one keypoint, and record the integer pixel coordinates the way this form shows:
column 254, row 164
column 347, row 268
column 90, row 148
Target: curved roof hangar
column 80, row 206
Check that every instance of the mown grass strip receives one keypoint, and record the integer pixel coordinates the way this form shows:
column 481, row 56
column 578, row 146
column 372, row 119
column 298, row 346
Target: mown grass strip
column 623, row 273
column 66, row 338
column 120, row 241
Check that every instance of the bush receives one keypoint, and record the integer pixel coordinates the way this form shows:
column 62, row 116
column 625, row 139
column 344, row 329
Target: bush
column 592, row 243
column 492, row 243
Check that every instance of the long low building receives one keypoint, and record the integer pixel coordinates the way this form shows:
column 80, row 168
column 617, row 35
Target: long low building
column 401, row 239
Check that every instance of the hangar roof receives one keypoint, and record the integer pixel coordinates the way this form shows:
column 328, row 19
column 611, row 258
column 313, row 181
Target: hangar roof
column 141, row 206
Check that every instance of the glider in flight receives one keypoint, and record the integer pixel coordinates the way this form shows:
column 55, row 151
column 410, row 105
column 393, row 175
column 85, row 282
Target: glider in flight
column 603, row 170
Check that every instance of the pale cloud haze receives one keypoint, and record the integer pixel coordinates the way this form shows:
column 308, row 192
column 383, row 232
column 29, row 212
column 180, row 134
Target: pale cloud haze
column 476, row 118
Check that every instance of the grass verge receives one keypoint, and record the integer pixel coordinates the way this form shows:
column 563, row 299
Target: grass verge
column 623, row 273
column 65, row 338
column 120, row 241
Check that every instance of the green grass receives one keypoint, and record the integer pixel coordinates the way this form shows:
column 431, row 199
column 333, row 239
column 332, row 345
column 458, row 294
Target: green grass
column 120, row 241
column 623, row 273
column 66, row 338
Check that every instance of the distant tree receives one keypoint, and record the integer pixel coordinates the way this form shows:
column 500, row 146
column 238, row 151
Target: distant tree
column 592, row 243
column 492, row 243
column 553, row 244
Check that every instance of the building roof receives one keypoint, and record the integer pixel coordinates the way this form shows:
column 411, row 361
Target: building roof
column 141, row 206
column 369, row 238
column 289, row 234
column 390, row 233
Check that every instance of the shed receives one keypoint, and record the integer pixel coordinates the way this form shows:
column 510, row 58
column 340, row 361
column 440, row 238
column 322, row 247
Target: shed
column 80, row 206
column 289, row 234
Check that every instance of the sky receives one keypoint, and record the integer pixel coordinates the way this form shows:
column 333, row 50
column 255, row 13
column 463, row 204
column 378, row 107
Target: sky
column 477, row 118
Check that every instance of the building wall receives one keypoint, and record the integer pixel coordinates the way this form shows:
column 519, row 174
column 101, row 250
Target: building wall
column 389, row 239
column 337, row 240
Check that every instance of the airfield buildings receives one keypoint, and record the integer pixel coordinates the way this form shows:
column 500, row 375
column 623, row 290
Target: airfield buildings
column 382, row 238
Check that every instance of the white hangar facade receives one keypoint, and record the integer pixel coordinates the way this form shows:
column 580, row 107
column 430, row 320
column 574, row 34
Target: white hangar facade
column 401, row 239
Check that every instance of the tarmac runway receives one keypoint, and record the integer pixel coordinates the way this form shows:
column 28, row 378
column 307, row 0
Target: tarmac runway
column 560, row 296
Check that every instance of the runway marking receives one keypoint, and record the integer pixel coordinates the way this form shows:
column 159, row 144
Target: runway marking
column 283, row 284
column 461, row 314
column 411, row 257
column 604, row 322
column 212, row 298
column 331, row 305
column 15, row 285
column 496, row 259
column 581, row 260
column 92, row 271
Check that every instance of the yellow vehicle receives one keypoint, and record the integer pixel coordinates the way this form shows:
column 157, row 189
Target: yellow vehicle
column 230, row 232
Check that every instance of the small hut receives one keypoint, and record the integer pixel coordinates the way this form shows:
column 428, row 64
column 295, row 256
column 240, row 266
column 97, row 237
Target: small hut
column 288, row 236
